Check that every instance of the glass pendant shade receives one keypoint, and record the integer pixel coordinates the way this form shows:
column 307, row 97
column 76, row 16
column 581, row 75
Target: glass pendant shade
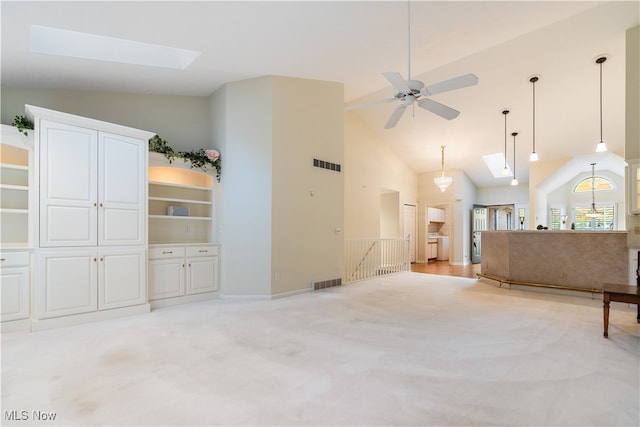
column 442, row 182
column 601, row 147
column 533, row 157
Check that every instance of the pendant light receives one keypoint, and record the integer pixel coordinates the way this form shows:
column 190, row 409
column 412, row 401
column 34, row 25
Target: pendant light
column 442, row 182
column 514, row 181
column 593, row 212
column 505, row 171
column 534, row 156
column 601, row 147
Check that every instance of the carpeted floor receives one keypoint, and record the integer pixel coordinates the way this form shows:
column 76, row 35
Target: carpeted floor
column 409, row 349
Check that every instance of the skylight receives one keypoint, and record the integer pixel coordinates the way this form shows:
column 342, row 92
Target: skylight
column 495, row 162
column 54, row 41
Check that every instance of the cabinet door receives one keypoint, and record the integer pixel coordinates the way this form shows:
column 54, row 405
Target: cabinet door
column 121, row 278
column 166, row 278
column 68, row 185
column 202, row 274
column 122, row 190
column 67, row 283
column 14, row 285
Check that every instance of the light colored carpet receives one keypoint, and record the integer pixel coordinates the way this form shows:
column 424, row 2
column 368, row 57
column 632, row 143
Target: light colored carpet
column 410, row 349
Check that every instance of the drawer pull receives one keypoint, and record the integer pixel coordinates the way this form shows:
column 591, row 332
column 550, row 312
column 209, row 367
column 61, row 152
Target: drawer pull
column 167, row 252
column 203, row 251
column 3, row 259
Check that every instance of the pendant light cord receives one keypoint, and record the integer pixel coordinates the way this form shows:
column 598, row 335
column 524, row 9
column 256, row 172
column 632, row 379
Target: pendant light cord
column 601, row 101
column 409, row 39
column 442, row 161
column 534, row 114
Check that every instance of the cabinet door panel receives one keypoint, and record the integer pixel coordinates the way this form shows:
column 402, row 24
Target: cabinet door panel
column 122, row 190
column 202, row 274
column 121, row 278
column 68, row 185
column 14, row 285
column 166, row 278
column 69, row 279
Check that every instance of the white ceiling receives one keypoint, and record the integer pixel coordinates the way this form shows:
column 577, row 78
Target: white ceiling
column 503, row 43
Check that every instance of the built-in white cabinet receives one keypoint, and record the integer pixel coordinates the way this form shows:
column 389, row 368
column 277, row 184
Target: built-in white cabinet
column 15, row 285
column 15, row 188
column 178, row 271
column 91, row 187
column 90, row 251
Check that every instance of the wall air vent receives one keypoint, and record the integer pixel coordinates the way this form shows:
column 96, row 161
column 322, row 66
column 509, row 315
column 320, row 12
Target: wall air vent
column 326, row 284
column 327, row 165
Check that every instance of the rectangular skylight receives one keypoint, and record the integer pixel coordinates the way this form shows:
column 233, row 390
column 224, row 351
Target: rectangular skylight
column 495, row 162
column 54, row 41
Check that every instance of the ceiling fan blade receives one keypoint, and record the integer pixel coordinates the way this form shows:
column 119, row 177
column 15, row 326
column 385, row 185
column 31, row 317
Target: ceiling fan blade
column 399, row 83
column 366, row 104
column 395, row 116
column 451, row 84
column 437, row 108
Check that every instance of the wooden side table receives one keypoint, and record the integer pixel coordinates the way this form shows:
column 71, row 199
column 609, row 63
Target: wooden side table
column 618, row 293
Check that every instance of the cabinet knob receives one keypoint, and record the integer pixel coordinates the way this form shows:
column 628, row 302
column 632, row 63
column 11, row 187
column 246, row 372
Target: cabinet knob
column 95, row 259
column 101, row 259
column 3, row 259
column 95, row 204
column 189, row 264
column 100, row 204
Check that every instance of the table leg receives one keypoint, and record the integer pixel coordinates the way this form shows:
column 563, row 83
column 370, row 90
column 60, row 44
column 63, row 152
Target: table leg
column 605, row 309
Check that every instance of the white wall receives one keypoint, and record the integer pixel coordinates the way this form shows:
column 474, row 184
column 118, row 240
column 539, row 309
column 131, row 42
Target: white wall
column 371, row 167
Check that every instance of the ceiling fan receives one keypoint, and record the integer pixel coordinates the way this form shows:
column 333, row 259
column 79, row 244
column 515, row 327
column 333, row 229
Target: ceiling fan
column 409, row 91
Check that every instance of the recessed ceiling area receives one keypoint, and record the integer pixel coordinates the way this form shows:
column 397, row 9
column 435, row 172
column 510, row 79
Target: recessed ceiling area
column 504, row 43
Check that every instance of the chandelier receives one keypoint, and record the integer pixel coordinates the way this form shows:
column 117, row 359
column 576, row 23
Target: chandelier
column 442, row 182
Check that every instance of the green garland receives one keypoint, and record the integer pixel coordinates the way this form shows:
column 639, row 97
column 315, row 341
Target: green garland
column 23, row 124
column 197, row 158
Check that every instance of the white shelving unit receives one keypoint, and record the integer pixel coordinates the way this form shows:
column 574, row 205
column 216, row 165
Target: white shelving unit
column 15, row 188
column 183, row 259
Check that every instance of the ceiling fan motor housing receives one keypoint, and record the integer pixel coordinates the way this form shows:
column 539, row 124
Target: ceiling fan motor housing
column 414, row 85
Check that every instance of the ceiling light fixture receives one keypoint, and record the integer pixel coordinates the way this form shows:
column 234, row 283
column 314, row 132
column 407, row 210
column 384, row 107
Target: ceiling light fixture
column 534, row 156
column 593, row 212
column 601, row 147
column 442, row 182
column 505, row 171
column 514, row 181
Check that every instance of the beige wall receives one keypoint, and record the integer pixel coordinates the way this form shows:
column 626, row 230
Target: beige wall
column 182, row 120
column 632, row 122
column 371, row 168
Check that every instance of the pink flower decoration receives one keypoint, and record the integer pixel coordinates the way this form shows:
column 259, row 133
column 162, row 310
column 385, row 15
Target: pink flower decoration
column 212, row 155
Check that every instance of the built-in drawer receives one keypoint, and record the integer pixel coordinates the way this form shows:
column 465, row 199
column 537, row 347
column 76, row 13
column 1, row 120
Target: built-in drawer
column 202, row 251
column 167, row 252
column 14, row 259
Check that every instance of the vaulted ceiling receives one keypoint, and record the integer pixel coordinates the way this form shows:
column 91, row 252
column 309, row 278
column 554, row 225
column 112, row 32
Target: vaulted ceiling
column 504, row 43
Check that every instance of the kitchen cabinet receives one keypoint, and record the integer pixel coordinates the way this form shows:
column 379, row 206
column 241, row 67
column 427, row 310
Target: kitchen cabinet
column 15, row 285
column 432, row 249
column 435, row 215
column 179, row 271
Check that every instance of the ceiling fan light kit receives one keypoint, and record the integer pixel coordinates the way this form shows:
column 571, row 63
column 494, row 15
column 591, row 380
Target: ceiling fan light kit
column 409, row 92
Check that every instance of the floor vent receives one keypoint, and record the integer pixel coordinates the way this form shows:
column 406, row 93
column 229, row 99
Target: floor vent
column 326, row 284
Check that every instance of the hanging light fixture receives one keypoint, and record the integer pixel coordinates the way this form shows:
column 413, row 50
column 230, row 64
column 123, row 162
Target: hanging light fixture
column 505, row 171
column 442, row 182
column 534, row 156
column 601, row 147
column 593, row 212
column 514, row 181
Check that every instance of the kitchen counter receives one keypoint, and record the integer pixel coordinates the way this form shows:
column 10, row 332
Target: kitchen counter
column 579, row 260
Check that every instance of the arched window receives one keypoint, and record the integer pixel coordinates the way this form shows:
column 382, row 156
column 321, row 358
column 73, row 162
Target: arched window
column 600, row 184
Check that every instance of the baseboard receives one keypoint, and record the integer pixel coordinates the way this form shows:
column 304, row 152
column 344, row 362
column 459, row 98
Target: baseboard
column 166, row 302
column 245, row 297
column 290, row 293
column 16, row 326
column 95, row 316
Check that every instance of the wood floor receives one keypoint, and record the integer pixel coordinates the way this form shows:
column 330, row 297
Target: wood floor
column 444, row 268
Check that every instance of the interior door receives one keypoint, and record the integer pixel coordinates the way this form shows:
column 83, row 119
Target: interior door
column 410, row 221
